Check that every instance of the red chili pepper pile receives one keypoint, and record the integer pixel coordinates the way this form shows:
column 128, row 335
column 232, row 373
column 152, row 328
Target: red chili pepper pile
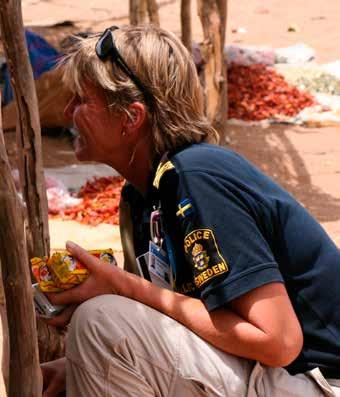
column 100, row 202
column 257, row 92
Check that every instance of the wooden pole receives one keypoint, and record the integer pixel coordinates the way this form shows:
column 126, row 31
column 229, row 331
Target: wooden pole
column 186, row 30
column 29, row 153
column 153, row 12
column 223, row 10
column 133, row 12
column 25, row 375
column 137, row 11
column 213, row 17
column 4, row 342
column 28, row 127
column 142, row 11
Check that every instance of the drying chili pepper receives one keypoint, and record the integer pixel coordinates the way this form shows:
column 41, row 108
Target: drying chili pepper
column 258, row 92
column 100, row 202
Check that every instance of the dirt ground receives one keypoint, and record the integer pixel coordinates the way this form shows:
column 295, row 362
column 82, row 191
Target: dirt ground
column 305, row 161
column 266, row 22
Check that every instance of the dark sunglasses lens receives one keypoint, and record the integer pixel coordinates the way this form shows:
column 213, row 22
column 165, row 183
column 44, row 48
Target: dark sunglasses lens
column 104, row 45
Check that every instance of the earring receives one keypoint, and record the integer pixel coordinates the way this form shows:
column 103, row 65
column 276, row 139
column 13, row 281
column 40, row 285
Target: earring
column 123, row 133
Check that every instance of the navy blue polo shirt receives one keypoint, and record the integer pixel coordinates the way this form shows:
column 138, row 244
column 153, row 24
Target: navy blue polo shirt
column 233, row 229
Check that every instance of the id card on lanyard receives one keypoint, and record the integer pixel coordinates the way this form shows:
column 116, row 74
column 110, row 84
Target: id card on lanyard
column 159, row 267
column 158, row 260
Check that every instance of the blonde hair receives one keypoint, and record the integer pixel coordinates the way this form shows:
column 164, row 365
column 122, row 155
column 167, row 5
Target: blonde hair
column 164, row 66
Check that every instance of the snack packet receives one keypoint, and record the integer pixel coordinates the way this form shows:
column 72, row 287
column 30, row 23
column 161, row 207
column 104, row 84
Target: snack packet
column 62, row 271
column 43, row 275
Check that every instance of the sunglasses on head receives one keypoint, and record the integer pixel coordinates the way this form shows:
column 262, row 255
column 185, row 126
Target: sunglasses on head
column 106, row 48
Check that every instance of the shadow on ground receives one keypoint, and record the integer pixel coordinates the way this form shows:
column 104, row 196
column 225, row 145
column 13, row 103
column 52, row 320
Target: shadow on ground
column 273, row 151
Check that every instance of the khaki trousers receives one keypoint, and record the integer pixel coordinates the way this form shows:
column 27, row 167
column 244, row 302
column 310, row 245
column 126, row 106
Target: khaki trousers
column 119, row 347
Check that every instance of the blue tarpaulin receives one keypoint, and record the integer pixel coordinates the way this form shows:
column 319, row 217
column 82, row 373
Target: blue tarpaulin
column 43, row 57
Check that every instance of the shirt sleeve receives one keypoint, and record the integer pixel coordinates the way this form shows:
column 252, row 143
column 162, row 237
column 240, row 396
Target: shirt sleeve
column 223, row 240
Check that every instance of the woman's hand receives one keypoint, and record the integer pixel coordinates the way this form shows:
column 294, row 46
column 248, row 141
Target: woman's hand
column 63, row 318
column 54, row 376
column 99, row 281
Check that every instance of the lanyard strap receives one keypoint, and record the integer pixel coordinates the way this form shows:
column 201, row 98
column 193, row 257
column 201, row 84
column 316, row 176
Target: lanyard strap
column 171, row 254
column 158, row 236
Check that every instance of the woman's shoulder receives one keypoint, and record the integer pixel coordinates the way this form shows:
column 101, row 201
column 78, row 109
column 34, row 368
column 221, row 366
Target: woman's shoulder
column 204, row 157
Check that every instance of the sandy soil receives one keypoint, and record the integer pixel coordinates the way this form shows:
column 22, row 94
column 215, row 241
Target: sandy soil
column 266, row 22
column 305, row 161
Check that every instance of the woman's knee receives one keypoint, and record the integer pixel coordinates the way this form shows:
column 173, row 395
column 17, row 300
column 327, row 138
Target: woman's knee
column 99, row 317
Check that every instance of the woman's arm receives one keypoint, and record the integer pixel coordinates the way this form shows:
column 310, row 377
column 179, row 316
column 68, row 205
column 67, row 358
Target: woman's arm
column 260, row 325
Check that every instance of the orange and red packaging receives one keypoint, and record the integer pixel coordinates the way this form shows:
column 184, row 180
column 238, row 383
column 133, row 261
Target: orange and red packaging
column 62, row 271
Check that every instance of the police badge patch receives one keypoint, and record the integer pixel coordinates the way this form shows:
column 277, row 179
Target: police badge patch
column 200, row 257
column 202, row 252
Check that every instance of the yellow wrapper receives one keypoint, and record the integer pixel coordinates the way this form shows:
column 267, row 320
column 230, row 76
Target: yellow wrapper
column 62, row 271
column 65, row 267
column 43, row 275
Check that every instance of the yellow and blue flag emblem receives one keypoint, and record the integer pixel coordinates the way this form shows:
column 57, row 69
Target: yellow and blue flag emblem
column 185, row 208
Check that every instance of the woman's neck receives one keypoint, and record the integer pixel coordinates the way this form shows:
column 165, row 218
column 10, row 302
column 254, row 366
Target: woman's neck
column 138, row 167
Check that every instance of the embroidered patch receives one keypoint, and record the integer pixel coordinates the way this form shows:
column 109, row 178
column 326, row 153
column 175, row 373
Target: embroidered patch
column 200, row 257
column 161, row 170
column 185, row 208
column 202, row 252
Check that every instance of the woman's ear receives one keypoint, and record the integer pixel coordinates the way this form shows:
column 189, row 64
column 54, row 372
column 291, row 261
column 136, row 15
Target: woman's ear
column 136, row 118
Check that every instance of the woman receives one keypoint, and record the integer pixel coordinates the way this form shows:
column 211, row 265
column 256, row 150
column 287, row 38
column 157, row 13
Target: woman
column 244, row 284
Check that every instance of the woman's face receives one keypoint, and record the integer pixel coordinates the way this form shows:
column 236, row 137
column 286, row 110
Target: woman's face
column 99, row 130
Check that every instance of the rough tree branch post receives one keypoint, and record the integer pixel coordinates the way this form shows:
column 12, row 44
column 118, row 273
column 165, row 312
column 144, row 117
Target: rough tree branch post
column 29, row 153
column 186, row 30
column 213, row 15
column 138, row 10
column 25, row 376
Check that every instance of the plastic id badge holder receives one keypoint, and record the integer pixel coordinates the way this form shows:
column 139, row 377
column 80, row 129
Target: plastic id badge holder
column 159, row 267
column 143, row 265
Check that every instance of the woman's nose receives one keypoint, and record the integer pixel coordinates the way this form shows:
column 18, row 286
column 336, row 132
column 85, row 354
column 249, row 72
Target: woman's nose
column 69, row 109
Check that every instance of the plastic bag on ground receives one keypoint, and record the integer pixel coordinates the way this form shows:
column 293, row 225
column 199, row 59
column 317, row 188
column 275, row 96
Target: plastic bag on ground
column 297, row 53
column 246, row 56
